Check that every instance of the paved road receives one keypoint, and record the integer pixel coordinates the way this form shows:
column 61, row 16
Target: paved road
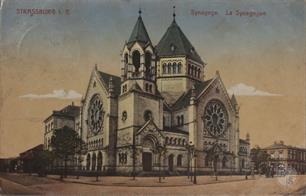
column 259, row 186
column 9, row 187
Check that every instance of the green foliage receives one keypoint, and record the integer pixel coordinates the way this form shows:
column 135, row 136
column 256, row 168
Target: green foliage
column 260, row 159
column 65, row 142
column 42, row 160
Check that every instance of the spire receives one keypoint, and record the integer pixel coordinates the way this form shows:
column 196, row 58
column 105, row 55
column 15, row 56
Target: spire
column 174, row 13
column 175, row 43
column 139, row 33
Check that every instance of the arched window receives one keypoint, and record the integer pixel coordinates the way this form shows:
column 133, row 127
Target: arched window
column 189, row 69
column 99, row 164
column 88, row 162
column 242, row 163
column 174, row 68
column 93, row 162
column 164, row 68
column 136, row 60
column 179, row 160
column 178, row 120
column 169, row 68
column 182, row 119
column 224, row 160
column 126, row 58
column 148, row 60
column 199, row 72
column 192, row 70
column 179, row 67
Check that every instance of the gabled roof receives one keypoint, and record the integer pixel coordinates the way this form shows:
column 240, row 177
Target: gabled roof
column 184, row 100
column 116, row 81
column 70, row 111
column 174, row 36
column 139, row 34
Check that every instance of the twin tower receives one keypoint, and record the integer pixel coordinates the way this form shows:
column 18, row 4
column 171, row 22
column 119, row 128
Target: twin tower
column 170, row 68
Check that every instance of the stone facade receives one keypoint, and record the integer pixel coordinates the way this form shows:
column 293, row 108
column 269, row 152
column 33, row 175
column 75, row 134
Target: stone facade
column 161, row 114
column 285, row 157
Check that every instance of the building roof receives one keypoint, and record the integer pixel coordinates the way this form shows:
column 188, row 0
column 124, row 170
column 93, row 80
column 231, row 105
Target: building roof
column 70, row 111
column 243, row 141
column 116, row 81
column 282, row 145
column 184, row 100
column 175, row 38
column 175, row 130
column 29, row 154
column 139, row 34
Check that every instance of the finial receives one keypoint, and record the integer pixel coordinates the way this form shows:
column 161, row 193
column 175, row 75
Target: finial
column 139, row 12
column 174, row 13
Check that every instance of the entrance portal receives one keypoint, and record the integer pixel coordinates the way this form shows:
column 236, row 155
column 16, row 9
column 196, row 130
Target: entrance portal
column 147, row 161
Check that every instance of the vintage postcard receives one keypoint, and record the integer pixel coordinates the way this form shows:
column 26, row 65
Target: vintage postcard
column 165, row 97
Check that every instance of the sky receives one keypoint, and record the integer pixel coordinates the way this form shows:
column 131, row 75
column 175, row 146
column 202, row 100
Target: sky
column 46, row 60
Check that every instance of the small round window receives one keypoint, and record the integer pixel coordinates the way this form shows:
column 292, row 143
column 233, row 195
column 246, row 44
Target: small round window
column 124, row 115
column 147, row 115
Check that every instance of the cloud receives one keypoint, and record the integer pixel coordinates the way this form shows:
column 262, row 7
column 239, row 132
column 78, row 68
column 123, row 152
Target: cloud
column 56, row 94
column 245, row 90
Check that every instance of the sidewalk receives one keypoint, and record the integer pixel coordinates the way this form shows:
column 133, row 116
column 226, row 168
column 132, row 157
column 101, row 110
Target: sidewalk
column 172, row 181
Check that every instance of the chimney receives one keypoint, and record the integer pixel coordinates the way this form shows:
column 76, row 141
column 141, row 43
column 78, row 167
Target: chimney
column 72, row 103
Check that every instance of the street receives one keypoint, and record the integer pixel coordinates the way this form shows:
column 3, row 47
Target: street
column 229, row 185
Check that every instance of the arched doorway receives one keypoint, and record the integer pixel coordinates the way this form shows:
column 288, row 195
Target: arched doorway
column 100, row 161
column 88, row 162
column 93, row 162
column 148, row 145
column 170, row 162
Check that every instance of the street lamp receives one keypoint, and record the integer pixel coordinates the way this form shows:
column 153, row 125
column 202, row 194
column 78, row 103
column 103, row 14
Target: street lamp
column 160, row 150
column 192, row 151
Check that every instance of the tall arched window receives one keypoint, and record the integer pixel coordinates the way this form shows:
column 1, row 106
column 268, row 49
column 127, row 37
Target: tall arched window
column 189, row 69
column 174, row 68
column 88, row 162
column 148, row 60
column 192, row 70
column 164, row 68
column 199, row 72
column 178, row 120
column 126, row 58
column 179, row 67
column 136, row 60
column 179, row 160
column 93, row 162
column 182, row 119
column 169, row 68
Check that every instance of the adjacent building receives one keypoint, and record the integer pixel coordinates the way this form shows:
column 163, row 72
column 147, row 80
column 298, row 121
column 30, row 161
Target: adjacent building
column 287, row 157
column 68, row 116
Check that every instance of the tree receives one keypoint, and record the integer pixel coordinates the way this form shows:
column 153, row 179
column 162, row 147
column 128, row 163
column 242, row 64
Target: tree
column 260, row 158
column 42, row 160
column 65, row 144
